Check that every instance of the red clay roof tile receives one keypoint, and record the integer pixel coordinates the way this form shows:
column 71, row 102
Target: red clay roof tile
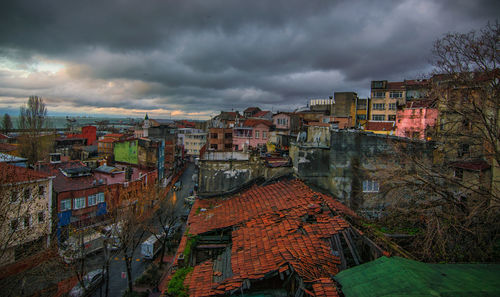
column 269, row 235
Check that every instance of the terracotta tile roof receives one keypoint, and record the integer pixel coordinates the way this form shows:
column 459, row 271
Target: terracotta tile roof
column 325, row 287
column 396, row 85
column 107, row 140
column 476, row 165
column 380, row 126
column 255, row 122
column 114, row 135
column 416, row 82
column 15, row 174
column 251, row 109
column 261, row 113
column 271, row 234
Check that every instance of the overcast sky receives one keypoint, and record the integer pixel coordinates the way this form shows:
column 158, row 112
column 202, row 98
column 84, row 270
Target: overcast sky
column 191, row 59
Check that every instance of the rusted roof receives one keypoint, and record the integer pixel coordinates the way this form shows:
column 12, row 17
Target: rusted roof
column 276, row 228
column 379, row 126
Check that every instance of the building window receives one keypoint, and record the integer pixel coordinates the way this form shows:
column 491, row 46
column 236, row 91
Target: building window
column 391, row 117
column 228, row 135
column 256, row 134
column 392, row 106
column 41, row 217
column 27, row 221
column 378, row 94
column 213, row 135
column 459, row 173
column 100, row 197
column 14, row 196
column 65, row 204
column 79, row 203
column 264, row 135
column 228, row 146
column 396, row 94
column 92, row 199
column 463, row 150
column 27, row 194
column 361, row 116
column 41, row 190
column 378, row 106
column 378, row 117
column 14, row 224
column 370, row 186
column 213, row 146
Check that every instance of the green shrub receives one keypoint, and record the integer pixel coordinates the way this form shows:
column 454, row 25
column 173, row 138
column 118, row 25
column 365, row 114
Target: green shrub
column 176, row 284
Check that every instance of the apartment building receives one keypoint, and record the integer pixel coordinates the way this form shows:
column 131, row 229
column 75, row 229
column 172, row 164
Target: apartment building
column 193, row 143
column 385, row 98
column 26, row 212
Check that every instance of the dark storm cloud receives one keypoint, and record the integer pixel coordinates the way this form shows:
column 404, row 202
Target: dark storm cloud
column 201, row 56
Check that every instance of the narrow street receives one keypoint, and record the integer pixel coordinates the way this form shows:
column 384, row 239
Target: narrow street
column 118, row 283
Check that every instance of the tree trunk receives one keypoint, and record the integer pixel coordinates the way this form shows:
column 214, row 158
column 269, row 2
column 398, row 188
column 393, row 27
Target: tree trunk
column 128, row 263
column 163, row 247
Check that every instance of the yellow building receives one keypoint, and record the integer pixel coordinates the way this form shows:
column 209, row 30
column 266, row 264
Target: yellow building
column 385, row 98
column 193, row 142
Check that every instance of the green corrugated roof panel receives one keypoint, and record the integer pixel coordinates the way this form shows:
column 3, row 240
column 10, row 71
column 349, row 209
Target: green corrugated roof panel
column 397, row 276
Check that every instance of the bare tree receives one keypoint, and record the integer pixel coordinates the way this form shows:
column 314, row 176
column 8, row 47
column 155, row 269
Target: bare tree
column 450, row 199
column 136, row 203
column 164, row 221
column 6, row 123
column 34, row 145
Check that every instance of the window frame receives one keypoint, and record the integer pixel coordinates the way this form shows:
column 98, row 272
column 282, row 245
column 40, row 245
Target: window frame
column 64, row 201
column 93, row 198
column 76, row 202
column 392, row 94
column 100, row 196
column 378, row 106
column 378, row 115
column 371, row 186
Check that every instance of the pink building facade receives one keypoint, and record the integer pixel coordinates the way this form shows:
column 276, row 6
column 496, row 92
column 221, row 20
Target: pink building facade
column 251, row 134
column 416, row 119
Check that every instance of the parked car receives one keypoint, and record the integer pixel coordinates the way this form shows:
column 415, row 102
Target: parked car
column 91, row 281
column 178, row 186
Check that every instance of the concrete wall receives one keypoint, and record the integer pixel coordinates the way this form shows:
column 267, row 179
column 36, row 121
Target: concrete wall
column 126, row 152
column 220, row 176
column 342, row 168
